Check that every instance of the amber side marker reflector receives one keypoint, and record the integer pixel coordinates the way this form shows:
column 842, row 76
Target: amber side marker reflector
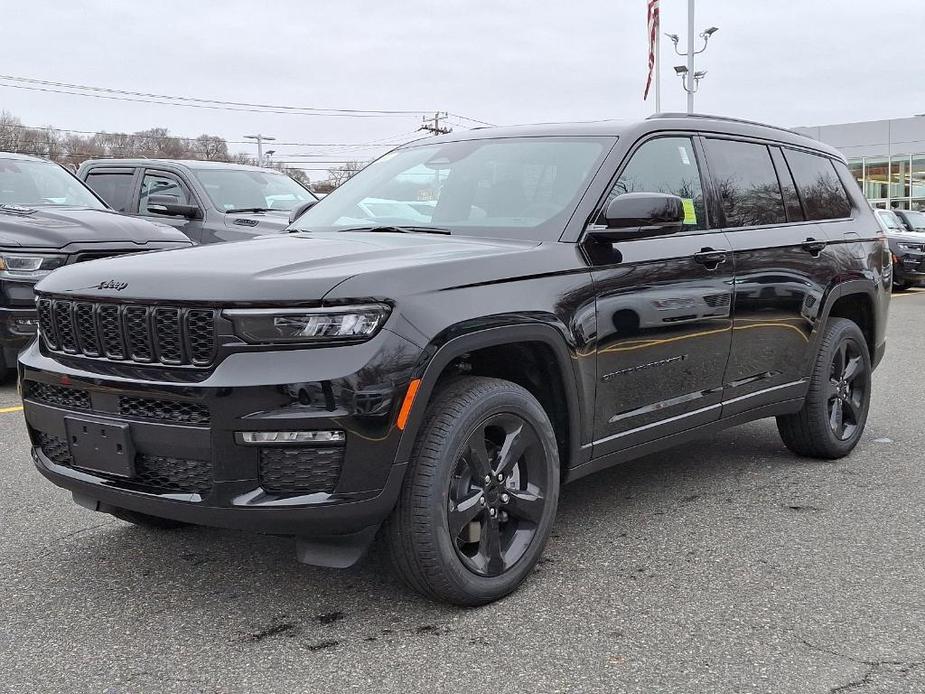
column 405, row 411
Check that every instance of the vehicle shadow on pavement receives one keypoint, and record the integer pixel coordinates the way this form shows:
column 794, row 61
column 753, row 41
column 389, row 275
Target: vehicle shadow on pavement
column 250, row 588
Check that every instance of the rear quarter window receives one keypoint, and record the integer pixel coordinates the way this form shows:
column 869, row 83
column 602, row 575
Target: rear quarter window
column 819, row 187
column 115, row 188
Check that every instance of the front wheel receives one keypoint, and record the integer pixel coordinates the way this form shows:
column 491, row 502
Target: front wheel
column 480, row 494
column 835, row 410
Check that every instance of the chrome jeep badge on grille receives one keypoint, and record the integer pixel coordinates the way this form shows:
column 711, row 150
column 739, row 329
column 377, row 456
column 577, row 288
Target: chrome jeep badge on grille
column 112, row 284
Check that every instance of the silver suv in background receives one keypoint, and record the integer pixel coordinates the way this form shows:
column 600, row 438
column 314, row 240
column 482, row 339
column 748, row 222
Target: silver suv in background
column 207, row 201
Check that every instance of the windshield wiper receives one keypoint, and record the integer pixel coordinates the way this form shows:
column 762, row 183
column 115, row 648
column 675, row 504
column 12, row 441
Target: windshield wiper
column 249, row 209
column 402, row 229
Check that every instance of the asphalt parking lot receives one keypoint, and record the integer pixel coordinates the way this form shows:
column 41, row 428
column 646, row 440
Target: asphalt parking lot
column 728, row 566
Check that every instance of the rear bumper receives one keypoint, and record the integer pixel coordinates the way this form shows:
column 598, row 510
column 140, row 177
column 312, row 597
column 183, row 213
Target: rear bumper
column 236, row 486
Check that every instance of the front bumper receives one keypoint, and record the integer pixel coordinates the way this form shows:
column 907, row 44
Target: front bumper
column 17, row 329
column 909, row 269
column 183, row 425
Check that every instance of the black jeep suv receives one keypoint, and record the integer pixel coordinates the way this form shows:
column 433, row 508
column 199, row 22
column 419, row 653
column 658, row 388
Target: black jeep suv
column 578, row 295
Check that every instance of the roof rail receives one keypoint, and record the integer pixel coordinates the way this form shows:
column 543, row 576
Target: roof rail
column 726, row 119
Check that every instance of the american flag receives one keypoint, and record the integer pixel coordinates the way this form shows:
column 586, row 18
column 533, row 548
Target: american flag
column 652, row 25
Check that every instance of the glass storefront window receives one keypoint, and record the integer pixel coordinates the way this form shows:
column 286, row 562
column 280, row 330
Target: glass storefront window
column 918, row 176
column 856, row 167
column 877, row 179
column 899, row 176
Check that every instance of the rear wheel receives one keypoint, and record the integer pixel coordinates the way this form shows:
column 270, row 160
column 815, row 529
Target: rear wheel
column 146, row 521
column 480, row 495
column 835, row 411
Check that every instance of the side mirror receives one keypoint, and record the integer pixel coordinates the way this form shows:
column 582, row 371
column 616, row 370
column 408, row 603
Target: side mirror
column 639, row 215
column 299, row 210
column 171, row 205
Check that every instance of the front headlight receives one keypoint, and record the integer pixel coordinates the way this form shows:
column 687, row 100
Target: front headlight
column 23, row 266
column 317, row 325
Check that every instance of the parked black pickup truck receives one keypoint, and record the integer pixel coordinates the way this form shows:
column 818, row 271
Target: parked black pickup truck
column 48, row 219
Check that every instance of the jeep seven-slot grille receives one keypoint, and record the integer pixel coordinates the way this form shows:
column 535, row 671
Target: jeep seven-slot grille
column 143, row 334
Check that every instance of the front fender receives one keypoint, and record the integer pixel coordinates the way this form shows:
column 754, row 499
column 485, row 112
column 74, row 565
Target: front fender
column 440, row 352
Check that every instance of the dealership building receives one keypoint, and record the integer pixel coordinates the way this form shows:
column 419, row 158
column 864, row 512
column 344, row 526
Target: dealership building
column 886, row 156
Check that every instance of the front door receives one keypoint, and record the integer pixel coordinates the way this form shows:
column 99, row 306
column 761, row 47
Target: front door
column 164, row 183
column 663, row 308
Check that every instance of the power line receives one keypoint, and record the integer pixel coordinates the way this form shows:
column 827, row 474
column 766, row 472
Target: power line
column 202, row 106
column 194, row 102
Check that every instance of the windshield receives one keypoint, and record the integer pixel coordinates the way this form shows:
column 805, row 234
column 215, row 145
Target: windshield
column 890, row 221
column 33, row 183
column 240, row 189
column 513, row 187
column 915, row 219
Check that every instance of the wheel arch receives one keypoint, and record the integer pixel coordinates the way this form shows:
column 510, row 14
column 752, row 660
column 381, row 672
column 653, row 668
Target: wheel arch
column 439, row 357
column 856, row 300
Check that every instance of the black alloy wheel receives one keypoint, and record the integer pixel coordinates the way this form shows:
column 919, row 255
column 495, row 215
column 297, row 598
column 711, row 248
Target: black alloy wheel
column 848, row 388
column 496, row 494
column 833, row 415
column 480, row 494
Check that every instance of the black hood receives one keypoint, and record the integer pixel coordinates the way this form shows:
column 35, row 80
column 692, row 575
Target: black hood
column 287, row 268
column 55, row 227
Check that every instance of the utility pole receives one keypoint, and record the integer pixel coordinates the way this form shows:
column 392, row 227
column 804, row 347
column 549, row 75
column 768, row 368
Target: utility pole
column 432, row 124
column 260, row 140
column 690, row 78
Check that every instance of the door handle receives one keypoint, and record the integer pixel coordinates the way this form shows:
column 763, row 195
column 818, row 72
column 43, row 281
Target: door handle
column 710, row 258
column 813, row 247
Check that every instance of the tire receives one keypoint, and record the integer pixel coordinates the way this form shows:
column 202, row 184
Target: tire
column 835, row 410
column 487, row 556
column 145, row 521
column 901, row 286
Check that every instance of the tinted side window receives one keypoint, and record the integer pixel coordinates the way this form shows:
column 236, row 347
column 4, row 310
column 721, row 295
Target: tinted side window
column 746, row 182
column 161, row 184
column 787, row 186
column 664, row 165
column 114, row 188
column 823, row 195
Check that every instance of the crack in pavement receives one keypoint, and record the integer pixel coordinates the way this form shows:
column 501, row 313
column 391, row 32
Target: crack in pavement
column 902, row 667
column 47, row 547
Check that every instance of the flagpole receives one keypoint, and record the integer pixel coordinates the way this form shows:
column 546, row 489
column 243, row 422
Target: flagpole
column 658, row 72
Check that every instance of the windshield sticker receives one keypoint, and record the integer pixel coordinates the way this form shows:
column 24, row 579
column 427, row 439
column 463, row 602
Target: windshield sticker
column 690, row 214
column 686, row 160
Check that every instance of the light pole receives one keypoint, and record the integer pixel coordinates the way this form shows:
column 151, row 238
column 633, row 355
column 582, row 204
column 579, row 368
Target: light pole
column 690, row 79
column 260, row 140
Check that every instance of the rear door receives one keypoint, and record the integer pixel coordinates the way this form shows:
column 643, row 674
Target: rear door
column 158, row 182
column 783, row 267
column 116, row 185
column 663, row 303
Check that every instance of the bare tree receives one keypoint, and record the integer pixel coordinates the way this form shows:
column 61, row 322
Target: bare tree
column 70, row 149
column 339, row 174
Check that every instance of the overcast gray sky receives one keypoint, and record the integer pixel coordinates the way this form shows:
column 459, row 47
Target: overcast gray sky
column 788, row 62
